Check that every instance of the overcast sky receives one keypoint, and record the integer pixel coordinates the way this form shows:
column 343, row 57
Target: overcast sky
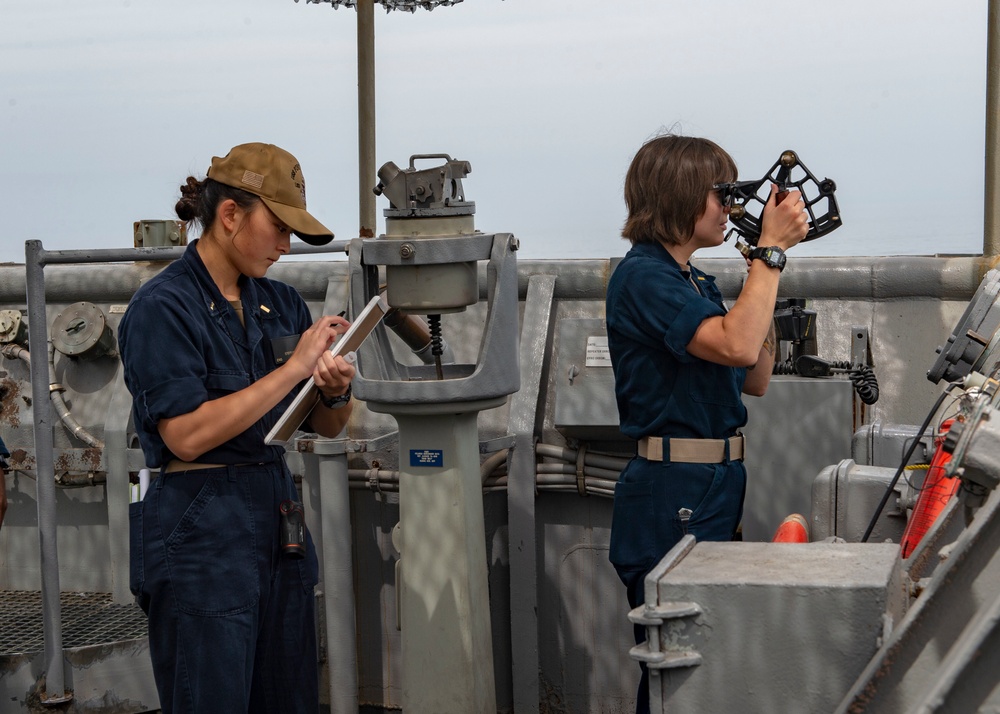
column 107, row 105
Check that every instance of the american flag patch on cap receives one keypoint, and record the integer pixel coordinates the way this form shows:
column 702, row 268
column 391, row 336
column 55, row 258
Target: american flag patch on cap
column 253, row 179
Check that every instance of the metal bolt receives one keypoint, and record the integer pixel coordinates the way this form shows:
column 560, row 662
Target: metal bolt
column 406, row 251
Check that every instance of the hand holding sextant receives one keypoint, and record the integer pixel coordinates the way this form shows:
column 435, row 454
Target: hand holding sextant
column 746, row 199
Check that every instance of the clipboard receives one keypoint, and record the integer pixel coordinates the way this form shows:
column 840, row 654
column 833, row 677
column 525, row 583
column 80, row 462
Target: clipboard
column 307, row 398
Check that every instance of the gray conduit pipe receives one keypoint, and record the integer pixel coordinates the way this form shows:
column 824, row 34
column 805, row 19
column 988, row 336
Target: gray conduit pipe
column 492, row 463
column 572, row 488
column 13, row 351
column 388, row 481
column 605, row 474
column 569, row 455
column 55, row 394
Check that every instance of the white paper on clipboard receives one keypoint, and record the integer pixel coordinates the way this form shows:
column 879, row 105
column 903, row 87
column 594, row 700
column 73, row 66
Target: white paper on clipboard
column 283, row 430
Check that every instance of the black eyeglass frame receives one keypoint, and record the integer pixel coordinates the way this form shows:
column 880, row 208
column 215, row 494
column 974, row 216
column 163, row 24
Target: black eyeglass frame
column 730, row 191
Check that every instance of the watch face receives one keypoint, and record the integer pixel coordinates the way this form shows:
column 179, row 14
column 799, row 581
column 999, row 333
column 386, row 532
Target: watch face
column 772, row 257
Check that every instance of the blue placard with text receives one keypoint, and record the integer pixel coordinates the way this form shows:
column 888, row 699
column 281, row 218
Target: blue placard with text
column 426, row 457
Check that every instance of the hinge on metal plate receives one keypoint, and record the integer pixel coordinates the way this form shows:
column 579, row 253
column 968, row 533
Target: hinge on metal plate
column 653, row 618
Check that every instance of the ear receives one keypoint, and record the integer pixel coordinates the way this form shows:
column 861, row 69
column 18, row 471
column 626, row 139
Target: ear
column 229, row 214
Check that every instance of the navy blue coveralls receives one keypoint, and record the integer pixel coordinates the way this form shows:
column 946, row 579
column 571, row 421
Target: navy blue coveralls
column 654, row 307
column 231, row 621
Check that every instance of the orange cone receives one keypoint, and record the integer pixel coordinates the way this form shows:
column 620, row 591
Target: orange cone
column 793, row 529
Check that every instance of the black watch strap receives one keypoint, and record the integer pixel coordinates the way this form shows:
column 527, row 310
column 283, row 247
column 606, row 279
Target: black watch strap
column 335, row 402
column 772, row 256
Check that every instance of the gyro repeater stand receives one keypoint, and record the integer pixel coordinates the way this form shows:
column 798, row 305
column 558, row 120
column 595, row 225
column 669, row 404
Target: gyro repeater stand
column 430, row 255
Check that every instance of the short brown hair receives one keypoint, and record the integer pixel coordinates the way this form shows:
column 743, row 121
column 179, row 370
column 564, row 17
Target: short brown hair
column 667, row 184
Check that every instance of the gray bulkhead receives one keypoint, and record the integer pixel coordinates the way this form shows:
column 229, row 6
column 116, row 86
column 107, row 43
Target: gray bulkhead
column 567, row 620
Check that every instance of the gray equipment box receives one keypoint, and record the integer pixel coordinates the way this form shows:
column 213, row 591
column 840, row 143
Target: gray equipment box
column 844, row 498
column 585, row 405
column 800, row 426
column 880, row 444
column 766, row 627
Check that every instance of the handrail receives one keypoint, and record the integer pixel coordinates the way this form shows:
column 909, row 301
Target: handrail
column 36, row 258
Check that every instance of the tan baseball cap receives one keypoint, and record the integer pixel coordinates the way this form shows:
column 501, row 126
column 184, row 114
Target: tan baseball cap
column 276, row 177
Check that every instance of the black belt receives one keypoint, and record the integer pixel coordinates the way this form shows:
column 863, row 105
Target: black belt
column 175, row 465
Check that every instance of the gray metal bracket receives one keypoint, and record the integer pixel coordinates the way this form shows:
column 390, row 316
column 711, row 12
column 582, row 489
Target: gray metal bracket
column 536, row 330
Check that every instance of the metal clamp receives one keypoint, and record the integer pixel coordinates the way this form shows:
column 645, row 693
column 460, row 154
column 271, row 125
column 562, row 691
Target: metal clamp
column 581, row 481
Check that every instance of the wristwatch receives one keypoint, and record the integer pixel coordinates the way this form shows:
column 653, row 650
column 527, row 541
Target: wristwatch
column 772, row 255
column 335, row 402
